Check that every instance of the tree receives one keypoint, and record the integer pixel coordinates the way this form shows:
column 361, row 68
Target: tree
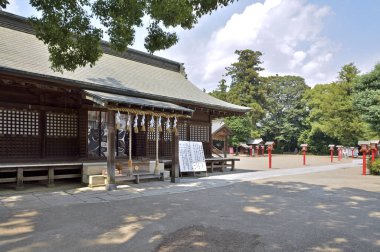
column 247, row 88
column 65, row 25
column 241, row 128
column 348, row 73
column 333, row 113
column 285, row 112
column 367, row 97
column 221, row 91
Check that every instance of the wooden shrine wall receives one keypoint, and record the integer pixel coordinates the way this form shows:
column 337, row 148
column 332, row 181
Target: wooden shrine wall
column 39, row 121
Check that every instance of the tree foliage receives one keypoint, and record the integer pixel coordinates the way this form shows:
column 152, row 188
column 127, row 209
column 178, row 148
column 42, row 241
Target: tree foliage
column 73, row 41
column 367, row 97
column 285, row 112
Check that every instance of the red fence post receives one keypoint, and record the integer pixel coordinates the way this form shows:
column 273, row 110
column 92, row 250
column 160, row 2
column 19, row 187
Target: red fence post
column 270, row 157
column 373, row 155
column 304, row 157
column 364, row 163
column 332, row 155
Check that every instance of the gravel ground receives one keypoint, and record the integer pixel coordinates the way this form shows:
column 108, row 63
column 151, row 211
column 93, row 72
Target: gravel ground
column 327, row 211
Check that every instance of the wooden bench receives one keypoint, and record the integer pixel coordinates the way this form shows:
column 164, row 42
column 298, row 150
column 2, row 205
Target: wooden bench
column 24, row 169
column 220, row 163
column 136, row 177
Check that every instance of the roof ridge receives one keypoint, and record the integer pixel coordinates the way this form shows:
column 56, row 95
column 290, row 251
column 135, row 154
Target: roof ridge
column 20, row 23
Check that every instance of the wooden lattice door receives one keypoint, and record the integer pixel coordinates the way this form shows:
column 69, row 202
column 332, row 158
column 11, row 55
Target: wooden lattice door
column 19, row 134
column 62, row 135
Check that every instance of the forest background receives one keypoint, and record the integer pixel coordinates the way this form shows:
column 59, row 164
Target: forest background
column 289, row 112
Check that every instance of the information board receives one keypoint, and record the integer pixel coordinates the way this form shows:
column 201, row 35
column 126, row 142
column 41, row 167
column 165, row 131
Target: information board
column 191, row 157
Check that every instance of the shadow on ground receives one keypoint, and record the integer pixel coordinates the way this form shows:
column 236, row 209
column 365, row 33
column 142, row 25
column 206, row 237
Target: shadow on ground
column 274, row 216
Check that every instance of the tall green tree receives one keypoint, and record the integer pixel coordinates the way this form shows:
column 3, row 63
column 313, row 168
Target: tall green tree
column 221, row 91
column 348, row 73
column 73, row 41
column 247, row 88
column 367, row 97
column 285, row 112
column 332, row 110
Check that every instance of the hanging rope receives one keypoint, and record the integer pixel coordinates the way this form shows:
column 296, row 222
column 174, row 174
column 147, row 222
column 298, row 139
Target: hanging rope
column 148, row 112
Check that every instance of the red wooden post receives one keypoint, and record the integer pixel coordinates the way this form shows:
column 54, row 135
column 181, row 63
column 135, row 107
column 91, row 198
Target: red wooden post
column 364, row 163
column 304, row 157
column 257, row 151
column 352, row 153
column 373, row 155
column 331, row 146
column 270, row 157
column 250, row 150
column 263, row 150
column 304, row 149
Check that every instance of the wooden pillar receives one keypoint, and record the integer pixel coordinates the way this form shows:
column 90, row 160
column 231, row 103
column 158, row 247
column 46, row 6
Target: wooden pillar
column 175, row 159
column 51, row 177
column 130, row 165
column 156, row 169
column 111, row 185
column 210, row 136
column 20, row 178
column 226, row 146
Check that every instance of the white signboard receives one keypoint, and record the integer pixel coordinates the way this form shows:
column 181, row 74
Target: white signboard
column 191, row 157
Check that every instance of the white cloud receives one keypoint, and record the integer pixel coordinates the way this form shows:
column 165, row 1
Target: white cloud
column 287, row 32
column 13, row 7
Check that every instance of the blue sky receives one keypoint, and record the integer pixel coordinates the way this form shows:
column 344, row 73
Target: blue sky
column 309, row 38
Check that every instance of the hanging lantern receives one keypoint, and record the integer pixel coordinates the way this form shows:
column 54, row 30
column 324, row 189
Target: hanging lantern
column 167, row 128
column 151, row 124
column 143, row 123
column 118, row 120
column 159, row 124
column 135, row 124
column 175, row 126
column 128, row 126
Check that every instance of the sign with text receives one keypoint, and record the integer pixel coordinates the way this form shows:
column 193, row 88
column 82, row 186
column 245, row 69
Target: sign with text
column 191, row 157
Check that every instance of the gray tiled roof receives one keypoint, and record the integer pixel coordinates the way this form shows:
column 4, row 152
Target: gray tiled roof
column 107, row 97
column 22, row 52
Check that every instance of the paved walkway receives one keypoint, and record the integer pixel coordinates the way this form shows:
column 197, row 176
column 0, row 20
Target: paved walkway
column 97, row 195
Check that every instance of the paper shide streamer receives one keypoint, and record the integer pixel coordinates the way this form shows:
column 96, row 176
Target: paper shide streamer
column 143, row 123
column 135, row 124
column 167, row 128
column 159, row 125
column 128, row 126
column 151, row 124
